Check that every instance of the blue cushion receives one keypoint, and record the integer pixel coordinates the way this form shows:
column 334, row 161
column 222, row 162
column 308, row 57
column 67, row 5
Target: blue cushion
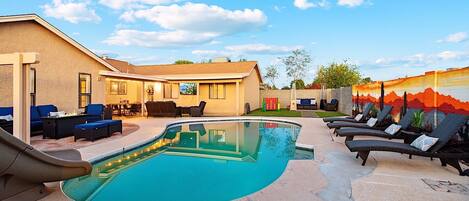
column 305, row 101
column 94, row 109
column 36, row 123
column 93, row 118
column 91, row 125
column 334, row 101
column 6, row 111
column 110, row 122
column 44, row 110
column 34, row 114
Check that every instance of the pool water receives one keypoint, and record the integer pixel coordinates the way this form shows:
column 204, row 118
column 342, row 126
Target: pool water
column 198, row 161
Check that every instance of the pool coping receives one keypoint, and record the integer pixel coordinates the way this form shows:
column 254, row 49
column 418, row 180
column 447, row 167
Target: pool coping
column 145, row 142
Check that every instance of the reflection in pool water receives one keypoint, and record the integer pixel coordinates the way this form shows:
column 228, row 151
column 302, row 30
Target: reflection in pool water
column 199, row 161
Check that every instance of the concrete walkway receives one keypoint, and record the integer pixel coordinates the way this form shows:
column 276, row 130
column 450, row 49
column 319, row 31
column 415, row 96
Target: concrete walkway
column 335, row 174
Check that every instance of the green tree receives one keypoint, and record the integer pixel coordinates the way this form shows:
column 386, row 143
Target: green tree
column 182, row 61
column 366, row 80
column 271, row 74
column 299, row 84
column 337, row 75
column 285, row 88
column 297, row 64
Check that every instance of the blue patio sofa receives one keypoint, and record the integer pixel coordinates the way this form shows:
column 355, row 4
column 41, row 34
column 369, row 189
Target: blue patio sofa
column 306, row 104
column 36, row 112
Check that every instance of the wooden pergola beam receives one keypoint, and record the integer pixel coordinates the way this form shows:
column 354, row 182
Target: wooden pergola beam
column 21, row 100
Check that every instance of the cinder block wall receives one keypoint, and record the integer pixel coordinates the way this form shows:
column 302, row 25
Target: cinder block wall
column 344, row 95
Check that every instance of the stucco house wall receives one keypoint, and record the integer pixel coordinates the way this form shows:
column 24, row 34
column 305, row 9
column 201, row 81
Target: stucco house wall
column 57, row 72
column 251, row 91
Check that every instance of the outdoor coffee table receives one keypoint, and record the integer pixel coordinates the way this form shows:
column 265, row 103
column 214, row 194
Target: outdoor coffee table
column 61, row 126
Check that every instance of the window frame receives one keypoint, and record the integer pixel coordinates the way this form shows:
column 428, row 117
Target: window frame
column 170, row 91
column 32, row 92
column 210, row 95
column 121, row 88
column 84, row 94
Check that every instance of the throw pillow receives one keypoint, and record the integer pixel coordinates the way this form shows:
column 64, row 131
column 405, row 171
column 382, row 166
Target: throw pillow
column 7, row 117
column 371, row 122
column 424, row 142
column 358, row 117
column 57, row 114
column 392, row 129
column 298, row 101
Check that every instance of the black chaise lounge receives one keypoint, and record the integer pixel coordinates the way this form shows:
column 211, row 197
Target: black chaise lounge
column 404, row 122
column 366, row 113
column 444, row 132
column 381, row 116
column 23, row 169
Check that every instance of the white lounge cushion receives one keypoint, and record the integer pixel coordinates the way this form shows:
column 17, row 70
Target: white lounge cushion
column 358, row 117
column 392, row 129
column 424, row 142
column 57, row 114
column 7, row 117
column 371, row 122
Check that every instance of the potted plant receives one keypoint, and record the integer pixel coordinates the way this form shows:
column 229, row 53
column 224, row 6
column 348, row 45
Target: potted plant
column 417, row 122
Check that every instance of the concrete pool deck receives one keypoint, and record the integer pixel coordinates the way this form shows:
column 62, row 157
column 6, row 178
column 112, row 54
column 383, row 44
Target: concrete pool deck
column 334, row 174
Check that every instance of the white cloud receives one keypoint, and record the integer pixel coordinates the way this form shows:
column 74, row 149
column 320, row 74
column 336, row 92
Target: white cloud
column 186, row 24
column 251, row 49
column 455, row 38
column 261, row 49
column 71, row 11
column 422, row 60
column 126, row 4
column 453, row 55
column 350, row 3
column 200, row 18
column 306, row 4
column 127, row 37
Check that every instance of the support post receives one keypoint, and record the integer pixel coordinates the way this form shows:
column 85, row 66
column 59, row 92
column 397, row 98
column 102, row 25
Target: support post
column 237, row 98
column 142, row 100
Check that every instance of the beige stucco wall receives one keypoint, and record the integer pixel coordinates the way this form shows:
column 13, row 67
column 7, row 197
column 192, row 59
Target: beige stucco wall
column 134, row 92
column 57, row 72
column 251, row 91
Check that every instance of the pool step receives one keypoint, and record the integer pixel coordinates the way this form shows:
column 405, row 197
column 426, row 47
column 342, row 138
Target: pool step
column 306, row 147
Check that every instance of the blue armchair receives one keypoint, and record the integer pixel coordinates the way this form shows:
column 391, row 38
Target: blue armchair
column 44, row 110
column 95, row 112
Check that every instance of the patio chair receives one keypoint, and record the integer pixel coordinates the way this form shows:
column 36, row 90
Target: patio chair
column 404, row 122
column 332, row 106
column 365, row 115
column 381, row 117
column 95, row 112
column 25, row 169
column 198, row 111
column 444, row 132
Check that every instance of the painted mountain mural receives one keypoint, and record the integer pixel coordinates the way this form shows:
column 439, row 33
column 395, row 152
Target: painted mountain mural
column 440, row 91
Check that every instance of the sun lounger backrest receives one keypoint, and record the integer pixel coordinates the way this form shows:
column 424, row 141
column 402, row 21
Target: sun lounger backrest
column 406, row 120
column 446, row 129
column 367, row 110
column 384, row 113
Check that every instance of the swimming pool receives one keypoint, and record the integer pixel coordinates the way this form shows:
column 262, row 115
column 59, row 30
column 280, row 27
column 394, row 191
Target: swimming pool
column 221, row 160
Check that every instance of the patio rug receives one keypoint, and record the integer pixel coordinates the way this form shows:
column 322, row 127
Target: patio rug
column 68, row 143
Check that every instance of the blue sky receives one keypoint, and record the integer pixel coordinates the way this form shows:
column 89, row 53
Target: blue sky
column 386, row 39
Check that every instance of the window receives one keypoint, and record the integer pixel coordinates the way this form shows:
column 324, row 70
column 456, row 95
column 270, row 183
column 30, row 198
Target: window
column 217, row 136
column 171, row 90
column 217, row 91
column 118, row 88
column 32, row 85
column 84, row 89
column 188, row 88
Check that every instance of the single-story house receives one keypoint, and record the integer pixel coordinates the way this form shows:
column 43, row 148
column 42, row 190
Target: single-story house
column 71, row 76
